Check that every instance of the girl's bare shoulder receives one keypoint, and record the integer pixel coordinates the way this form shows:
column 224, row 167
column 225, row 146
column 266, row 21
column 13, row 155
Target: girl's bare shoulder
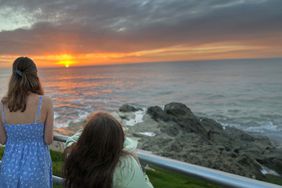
column 47, row 101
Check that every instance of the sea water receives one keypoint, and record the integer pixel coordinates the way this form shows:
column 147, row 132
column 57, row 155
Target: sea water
column 243, row 93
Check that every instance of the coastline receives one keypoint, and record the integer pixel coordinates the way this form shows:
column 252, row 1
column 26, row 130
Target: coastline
column 175, row 132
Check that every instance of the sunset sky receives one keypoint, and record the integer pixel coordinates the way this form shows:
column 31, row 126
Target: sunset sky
column 89, row 32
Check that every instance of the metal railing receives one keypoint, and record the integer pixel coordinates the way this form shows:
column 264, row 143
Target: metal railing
column 211, row 175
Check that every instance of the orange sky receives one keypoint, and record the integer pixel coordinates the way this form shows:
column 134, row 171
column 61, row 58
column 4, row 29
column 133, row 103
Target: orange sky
column 177, row 53
column 96, row 32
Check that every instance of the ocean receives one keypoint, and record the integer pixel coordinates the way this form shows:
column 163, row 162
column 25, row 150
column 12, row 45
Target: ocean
column 246, row 94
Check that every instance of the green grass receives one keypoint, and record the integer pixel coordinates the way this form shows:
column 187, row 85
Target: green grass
column 274, row 179
column 1, row 152
column 57, row 162
column 57, row 186
column 160, row 178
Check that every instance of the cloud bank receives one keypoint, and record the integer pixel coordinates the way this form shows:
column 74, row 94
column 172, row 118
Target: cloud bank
column 40, row 27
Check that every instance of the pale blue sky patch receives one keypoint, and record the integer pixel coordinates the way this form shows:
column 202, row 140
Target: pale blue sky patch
column 11, row 19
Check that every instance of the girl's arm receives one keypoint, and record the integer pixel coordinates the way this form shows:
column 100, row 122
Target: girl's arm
column 73, row 139
column 129, row 174
column 49, row 122
column 70, row 142
column 2, row 132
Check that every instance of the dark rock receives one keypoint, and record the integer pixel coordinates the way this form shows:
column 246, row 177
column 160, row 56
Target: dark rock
column 191, row 125
column 238, row 134
column 124, row 116
column 170, row 129
column 184, row 118
column 272, row 159
column 178, row 109
column 211, row 125
column 157, row 113
column 129, row 108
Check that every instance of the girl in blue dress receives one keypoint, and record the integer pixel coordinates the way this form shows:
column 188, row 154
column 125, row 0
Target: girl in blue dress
column 26, row 130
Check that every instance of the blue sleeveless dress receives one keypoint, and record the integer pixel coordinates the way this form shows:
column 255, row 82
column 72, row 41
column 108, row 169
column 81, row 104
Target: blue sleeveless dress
column 26, row 162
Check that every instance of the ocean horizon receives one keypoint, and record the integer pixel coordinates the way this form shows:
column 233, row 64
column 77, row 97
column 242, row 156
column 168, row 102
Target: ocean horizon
column 245, row 93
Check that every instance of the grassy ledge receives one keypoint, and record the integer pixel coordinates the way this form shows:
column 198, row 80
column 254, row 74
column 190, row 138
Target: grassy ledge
column 160, row 178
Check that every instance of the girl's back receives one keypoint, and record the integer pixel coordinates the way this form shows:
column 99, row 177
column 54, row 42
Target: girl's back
column 26, row 160
column 26, row 124
column 24, row 127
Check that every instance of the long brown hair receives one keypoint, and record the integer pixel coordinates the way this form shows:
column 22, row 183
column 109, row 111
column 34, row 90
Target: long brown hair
column 93, row 159
column 24, row 80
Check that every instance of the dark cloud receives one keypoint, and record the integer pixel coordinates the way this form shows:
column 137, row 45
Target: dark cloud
column 88, row 26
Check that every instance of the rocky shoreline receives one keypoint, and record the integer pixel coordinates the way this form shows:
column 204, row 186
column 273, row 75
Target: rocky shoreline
column 176, row 132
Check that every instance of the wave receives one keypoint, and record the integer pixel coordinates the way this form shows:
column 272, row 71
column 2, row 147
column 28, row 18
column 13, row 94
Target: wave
column 264, row 127
column 258, row 127
column 67, row 120
column 138, row 118
column 216, row 97
column 150, row 134
column 264, row 170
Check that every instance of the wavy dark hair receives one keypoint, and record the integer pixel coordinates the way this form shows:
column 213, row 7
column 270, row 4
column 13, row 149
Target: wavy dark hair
column 24, row 80
column 92, row 160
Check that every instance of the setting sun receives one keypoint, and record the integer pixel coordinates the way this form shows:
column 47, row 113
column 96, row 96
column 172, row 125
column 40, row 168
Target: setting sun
column 66, row 60
column 66, row 63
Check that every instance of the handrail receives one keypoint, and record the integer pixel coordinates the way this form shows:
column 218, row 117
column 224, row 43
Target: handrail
column 215, row 176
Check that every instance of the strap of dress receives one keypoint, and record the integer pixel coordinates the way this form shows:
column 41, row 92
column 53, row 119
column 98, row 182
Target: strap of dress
column 38, row 113
column 3, row 113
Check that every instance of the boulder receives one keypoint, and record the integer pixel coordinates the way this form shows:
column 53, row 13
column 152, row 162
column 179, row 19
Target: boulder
column 129, row 108
column 178, row 109
column 157, row 113
column 179, row 115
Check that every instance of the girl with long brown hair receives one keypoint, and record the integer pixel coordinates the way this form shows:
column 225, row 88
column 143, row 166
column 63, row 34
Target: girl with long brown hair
column 100, row 160
column 26, row 129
